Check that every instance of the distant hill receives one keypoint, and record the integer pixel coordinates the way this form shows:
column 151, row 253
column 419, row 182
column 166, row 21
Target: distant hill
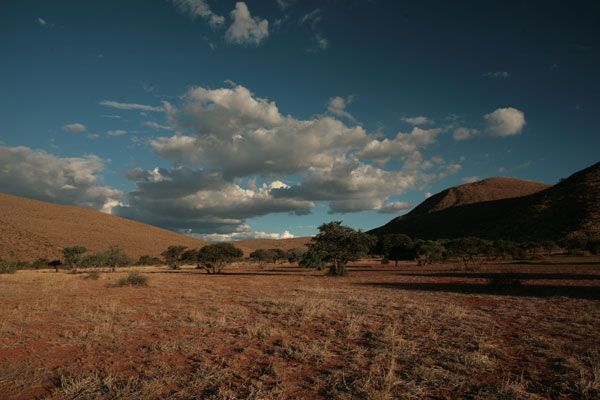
column 248, row 246
column 30, row 229
column 507, row 208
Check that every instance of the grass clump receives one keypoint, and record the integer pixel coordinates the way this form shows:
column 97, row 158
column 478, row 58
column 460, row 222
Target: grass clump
column 133, row 279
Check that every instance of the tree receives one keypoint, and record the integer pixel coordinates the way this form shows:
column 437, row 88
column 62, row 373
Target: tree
column 469, row 249
column 115, row 256
column 172, row 256
column 312, row 259
column 262, row 256
column 395, row 247
column 339, row 244
column 429, row 251
column 214, row 257
column 72, row 256
column 295, row 255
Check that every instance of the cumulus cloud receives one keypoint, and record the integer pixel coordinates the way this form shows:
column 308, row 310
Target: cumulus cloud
column 350, row 185
column 241, row 135
column 246, row 29
column 74, row 128
column 462, row 133
column 403, row 145
column 337, row 106
column 199, row 8
column 246, row 235
column 129, row 106
column 200, row 201
column 71, row 180
column 418, row 120
column 504, row 122
column 393, row 207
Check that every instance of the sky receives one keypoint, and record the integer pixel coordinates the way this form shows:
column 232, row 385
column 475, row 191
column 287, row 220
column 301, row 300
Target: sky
column 231, row 120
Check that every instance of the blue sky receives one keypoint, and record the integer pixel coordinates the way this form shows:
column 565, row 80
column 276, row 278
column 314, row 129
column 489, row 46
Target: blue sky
column 229, row 119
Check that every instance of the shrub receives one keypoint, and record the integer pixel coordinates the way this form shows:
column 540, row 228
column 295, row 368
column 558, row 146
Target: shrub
column 148, row 260
column 115, row 257
column 312, row 259
column 7, row 267
column 295, row 255
column 55, row 264
column 133, row 279
column 40, row 263
column 385, row 261
column 73, row 256
column 96, row 260
column 172, row 256
column 94, row 275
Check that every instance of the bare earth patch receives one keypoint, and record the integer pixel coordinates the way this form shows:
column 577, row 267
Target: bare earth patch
column 288, row 333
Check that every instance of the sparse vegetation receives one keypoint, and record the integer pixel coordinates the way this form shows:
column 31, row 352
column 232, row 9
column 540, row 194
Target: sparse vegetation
column 7, row 267
column 148, row 260
column 133, row 279
column 94, row 275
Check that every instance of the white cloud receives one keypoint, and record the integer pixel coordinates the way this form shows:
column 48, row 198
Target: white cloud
column 157, row 126
column 497, row 74
column 428, row 195
column 129, row 106
column 393, row 207
column 242, row 135
column 337, row 106
column 504, row 122
column 201, row 201
column 312, row 17
column 403, row 145
column 350, row 186
column 116, row 132
column 322, row 43
column 247, row 235
column 463, row 133
column 470, row 179
column 418, row 120
column 74, row 128
column 246, row 29
column 70, row 180
column 41, row 21
column 284, row 4
column 199, row 8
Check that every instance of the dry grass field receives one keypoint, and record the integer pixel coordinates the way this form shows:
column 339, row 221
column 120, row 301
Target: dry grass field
column 288, row 333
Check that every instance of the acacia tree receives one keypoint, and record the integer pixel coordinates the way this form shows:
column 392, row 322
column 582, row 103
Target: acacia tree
column 395, row 247
column 339, row 244
column 115, row 256
column 214, row 257
column 72, row 256
column 172, row 256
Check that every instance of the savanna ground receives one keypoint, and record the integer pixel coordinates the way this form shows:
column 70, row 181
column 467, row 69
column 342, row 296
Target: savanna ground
column 288, row 333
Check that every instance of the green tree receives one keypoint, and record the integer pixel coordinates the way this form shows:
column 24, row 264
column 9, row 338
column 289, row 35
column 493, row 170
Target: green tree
column 72, row 256
column 115, row 257
column 172, row 256
column 339, row 244
column 312, row 259
column 395, row 247
column 295, row 255
column 214, row 257
column 429, row 251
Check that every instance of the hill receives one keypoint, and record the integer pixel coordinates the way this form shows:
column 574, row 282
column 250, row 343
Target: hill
column 489, row 189
column 30, row 229
column 571, row 206
column 248, row 246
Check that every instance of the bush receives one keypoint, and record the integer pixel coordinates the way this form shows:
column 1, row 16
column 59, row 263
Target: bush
column 40, row 263
column 148, row 260
column 94, row 275
column 173, row 255
column 7, row 267
column 133, row 279
column 385, row 261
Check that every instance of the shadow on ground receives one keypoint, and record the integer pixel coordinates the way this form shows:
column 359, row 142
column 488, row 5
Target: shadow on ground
column 576, row 292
